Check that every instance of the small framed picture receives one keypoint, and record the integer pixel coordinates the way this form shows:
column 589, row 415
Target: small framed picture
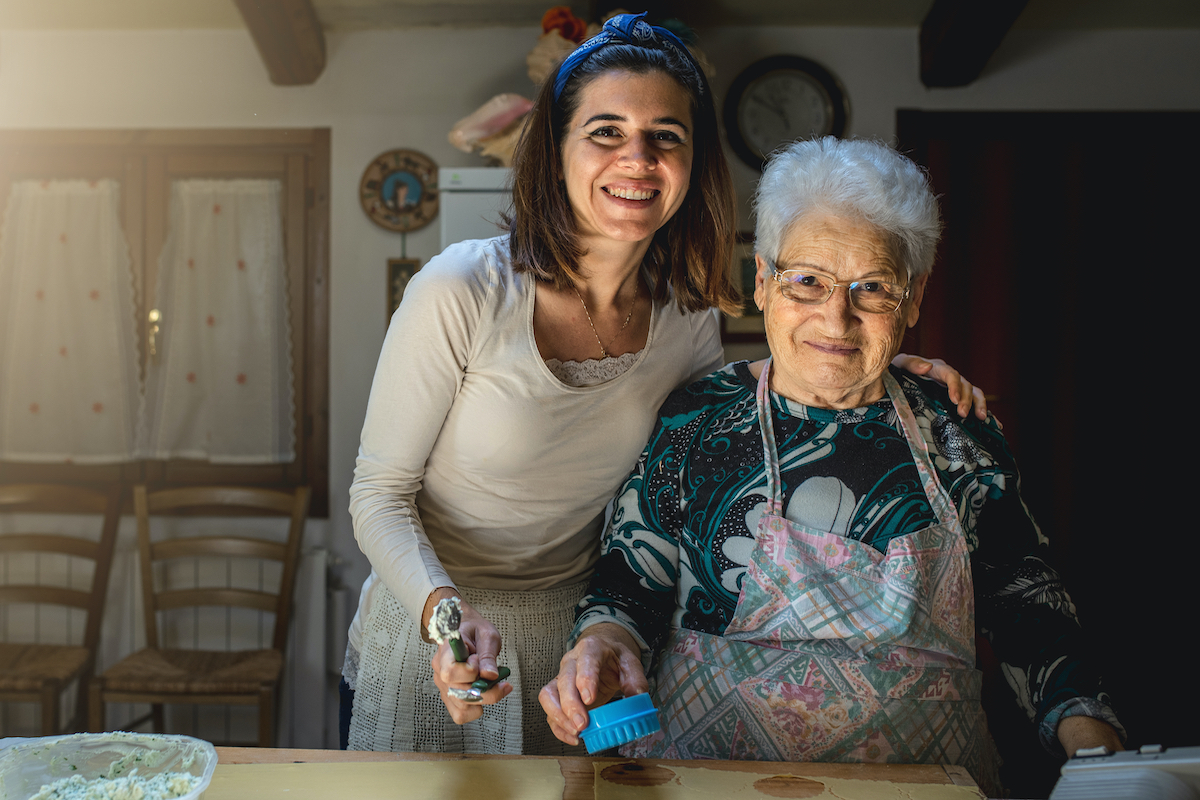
column 749, row 327
column 399, row 273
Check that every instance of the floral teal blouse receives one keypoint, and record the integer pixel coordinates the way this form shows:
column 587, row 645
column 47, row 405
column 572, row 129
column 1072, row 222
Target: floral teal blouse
column 682, row 527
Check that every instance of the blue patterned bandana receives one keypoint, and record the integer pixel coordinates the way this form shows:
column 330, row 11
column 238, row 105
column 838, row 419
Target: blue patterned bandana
column 625, row 29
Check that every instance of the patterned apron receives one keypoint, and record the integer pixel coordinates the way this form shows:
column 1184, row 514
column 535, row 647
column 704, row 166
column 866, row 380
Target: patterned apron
column 836, row 652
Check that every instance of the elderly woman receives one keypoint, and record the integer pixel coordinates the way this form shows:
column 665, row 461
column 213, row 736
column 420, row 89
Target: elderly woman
column 809, row 543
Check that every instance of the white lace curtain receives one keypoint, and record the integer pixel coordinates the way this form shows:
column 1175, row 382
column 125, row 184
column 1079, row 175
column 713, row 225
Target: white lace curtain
column 68, row 341
column 220, row 388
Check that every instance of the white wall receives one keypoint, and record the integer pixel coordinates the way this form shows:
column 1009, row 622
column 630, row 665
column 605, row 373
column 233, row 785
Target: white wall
column 383, row 90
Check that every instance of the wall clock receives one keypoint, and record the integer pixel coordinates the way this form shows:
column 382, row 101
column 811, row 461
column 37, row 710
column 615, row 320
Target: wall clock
column 399, row 190
column 778, row 100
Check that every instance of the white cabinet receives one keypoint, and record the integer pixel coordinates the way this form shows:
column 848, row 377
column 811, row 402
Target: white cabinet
column 472, row 199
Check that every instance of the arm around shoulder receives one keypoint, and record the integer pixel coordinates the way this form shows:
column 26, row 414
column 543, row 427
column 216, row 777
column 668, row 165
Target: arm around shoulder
column 965, row 396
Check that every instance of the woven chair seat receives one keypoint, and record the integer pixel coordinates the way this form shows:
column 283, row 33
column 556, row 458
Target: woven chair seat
column 195, row 671
column 25, row 667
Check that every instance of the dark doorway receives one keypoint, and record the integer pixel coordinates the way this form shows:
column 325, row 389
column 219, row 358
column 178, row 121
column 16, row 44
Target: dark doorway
column 1065, row 287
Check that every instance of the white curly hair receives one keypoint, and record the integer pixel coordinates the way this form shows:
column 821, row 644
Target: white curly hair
column 856, row 178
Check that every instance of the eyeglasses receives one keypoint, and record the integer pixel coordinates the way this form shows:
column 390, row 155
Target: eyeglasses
column 869, row 295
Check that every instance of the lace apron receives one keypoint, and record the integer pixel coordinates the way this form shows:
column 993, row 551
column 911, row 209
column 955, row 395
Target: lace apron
column 396, row 703
column 836, row 652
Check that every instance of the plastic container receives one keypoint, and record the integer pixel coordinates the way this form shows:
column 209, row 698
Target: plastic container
column 620, row 722
column 28, row 764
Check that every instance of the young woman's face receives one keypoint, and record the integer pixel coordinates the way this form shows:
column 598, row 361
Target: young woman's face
column 627, row 155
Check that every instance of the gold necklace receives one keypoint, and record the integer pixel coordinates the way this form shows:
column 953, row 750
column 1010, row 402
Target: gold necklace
column 629, row 316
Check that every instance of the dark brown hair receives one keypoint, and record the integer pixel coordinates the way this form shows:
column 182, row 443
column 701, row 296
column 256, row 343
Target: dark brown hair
column 690, row 254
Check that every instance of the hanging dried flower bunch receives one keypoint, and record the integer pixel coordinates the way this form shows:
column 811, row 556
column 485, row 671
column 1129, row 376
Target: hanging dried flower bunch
column 493, row 129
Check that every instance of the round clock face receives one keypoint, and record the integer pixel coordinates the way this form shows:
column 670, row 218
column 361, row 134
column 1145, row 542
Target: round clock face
column 783, row 106
column 781, row 99
column 399, row 190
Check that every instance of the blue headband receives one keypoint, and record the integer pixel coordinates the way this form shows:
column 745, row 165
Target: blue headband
column 625, row 29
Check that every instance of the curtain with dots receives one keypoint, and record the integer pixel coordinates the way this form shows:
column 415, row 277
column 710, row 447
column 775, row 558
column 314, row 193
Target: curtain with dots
column 219, row 387
column 69, row 388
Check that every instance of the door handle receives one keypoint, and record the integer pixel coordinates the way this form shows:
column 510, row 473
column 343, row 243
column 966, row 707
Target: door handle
column 154, row 317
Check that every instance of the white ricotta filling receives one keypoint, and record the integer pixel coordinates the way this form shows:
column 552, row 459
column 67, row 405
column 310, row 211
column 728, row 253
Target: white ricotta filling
column 164, row 786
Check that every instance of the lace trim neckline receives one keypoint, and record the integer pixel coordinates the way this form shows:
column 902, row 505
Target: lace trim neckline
column 592, row 371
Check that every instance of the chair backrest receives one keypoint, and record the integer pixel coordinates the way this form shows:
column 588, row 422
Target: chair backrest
column 214, row 502
column 40, row 498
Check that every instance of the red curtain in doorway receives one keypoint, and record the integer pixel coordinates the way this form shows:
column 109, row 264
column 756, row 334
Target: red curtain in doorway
column 1063, row 286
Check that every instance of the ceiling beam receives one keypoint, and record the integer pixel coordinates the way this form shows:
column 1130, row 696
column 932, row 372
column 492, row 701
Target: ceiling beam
column 289, row 39
column 959, row 36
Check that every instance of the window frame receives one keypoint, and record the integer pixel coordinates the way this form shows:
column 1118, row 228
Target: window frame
column 146, row 162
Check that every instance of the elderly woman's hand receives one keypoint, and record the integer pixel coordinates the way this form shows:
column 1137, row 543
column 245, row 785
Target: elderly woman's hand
column 962, row 392
column 605, row 660
column 483, row 640
column 1078, row 732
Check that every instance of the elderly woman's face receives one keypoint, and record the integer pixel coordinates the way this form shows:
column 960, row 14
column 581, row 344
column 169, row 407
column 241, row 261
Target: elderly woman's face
column 627, row 155
column 833, row 355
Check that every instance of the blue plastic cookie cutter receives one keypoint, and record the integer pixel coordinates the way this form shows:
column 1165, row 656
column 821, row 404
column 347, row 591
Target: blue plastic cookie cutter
column 620, row 722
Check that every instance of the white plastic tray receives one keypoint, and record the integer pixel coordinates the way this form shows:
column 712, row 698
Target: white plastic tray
column 28, row 764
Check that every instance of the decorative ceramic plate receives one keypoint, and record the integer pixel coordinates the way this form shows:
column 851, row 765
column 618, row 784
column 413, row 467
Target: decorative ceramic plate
column 399, row 190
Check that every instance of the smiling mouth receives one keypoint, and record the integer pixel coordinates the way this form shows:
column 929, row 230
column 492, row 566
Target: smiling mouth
column 833, row 349
column 632, row 194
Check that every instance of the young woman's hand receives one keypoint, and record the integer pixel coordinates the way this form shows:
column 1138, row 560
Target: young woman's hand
column 963, row 393
column 483, row 643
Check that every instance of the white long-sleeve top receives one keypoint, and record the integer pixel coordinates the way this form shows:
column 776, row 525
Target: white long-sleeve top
column 476, row 465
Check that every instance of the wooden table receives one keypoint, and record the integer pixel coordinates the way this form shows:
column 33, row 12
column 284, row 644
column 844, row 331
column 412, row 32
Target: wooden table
column 579, row 774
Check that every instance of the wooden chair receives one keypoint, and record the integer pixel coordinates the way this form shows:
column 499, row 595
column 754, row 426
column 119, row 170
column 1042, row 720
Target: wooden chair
column 157, row 675
column 40, row 673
